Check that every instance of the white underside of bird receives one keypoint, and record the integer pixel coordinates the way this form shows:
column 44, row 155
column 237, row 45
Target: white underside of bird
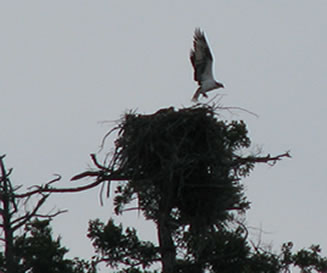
column 205, row 87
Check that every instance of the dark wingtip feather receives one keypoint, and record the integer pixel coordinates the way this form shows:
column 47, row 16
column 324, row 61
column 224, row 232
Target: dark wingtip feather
column 198, row 35
column 198, row 32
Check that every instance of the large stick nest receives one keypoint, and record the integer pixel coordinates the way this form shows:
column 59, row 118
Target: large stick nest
column 181, row 159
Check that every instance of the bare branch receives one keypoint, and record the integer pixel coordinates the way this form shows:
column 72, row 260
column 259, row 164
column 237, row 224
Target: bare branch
column 85, row 174
column 230, row 108
column 101, row 194
column 46, row 188
column 16, row 188
column 131, row 209
column 96, row 163
column 56, row 179
column 265, row 159
column 51, row 215
column 17, row 223
column 103, row 176
column 107, row 135
column 9, row 171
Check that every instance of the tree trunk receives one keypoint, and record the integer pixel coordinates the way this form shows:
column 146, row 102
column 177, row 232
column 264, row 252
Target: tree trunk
column 9, row 250
column 166, row 243
column 6, row 218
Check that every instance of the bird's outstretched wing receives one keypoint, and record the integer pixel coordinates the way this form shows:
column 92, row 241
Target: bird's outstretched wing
column 201, row 57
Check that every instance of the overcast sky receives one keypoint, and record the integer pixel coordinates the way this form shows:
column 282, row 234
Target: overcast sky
column 67, row 66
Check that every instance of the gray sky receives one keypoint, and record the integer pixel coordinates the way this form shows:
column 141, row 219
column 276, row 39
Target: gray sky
column 66, row 66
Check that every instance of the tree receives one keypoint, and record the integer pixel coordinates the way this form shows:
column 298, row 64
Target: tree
column 35, row 251
column 184, row 168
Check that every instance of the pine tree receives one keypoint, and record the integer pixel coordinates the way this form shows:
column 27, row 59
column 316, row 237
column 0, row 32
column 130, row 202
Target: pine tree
column 184, row 167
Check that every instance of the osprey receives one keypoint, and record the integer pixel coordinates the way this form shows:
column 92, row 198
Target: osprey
column 201, row 59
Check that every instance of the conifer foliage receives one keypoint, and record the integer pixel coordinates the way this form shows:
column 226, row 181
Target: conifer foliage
column 184, row 167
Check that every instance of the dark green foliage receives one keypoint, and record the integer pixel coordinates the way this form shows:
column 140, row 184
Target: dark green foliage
column 309, row 260
column 37, row 252
column 222, row 251
column 117, row 247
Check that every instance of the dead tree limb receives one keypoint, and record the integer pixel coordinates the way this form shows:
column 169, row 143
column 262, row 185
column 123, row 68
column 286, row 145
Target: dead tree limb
column 11, row 218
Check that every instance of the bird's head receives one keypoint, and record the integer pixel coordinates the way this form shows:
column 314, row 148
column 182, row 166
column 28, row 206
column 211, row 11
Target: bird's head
column 219, row 85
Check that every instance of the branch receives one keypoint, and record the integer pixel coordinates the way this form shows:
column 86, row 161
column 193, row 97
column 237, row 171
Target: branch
column 6, row 197
column 17, row 223
column 96, row 163
column 46, row 188
column 131, row 209
column 38, row 188
column 265, row 159
column 103, row 176
column 106, row 135
column 86, row 174
column 51, row 215
column 7, row 172
column 126, row 260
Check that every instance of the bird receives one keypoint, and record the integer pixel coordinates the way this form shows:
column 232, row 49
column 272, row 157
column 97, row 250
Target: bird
column 202, row 59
